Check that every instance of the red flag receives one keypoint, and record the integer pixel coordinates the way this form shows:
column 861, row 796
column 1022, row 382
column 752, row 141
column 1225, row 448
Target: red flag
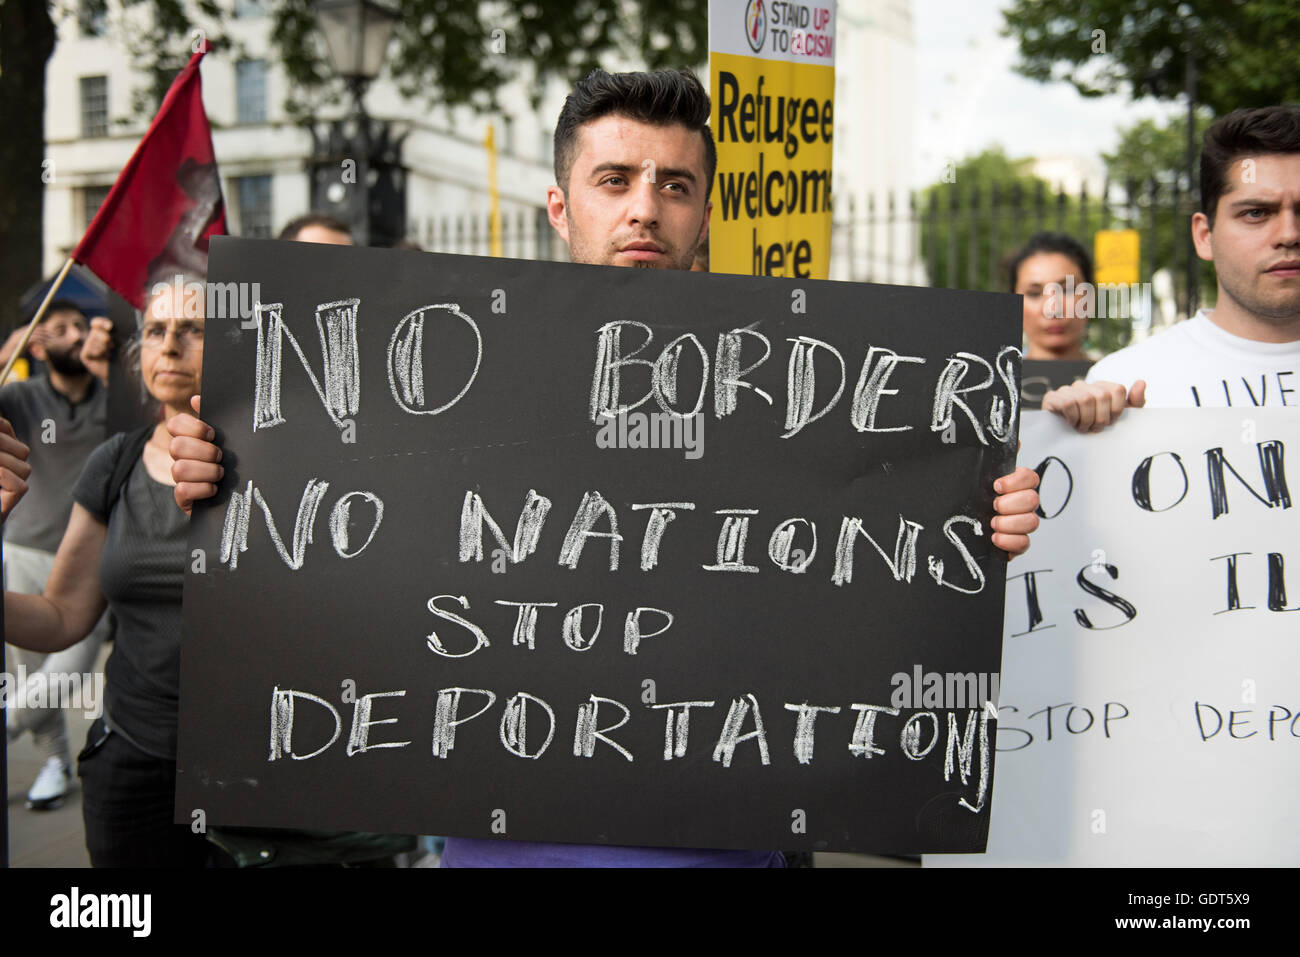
column 166, row 202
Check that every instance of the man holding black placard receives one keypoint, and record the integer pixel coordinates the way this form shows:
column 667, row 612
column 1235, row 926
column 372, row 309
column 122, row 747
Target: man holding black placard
column 634, row 160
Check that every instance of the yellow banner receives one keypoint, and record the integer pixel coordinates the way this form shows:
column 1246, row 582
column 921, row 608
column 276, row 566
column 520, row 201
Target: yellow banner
column 774, row 125
column 1116, row 254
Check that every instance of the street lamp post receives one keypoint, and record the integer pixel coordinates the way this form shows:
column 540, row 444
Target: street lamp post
column 356, row 167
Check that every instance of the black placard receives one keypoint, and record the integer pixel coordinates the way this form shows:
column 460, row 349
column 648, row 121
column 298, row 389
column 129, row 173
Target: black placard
column 391, row 337
column 1041, row 376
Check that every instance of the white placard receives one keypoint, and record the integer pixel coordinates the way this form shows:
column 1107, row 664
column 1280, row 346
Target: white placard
column 1168, row 648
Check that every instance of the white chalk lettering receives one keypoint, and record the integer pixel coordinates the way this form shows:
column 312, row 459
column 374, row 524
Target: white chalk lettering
column 406, row 360
column 801, row 384
column 731, row 541
column 805, row 728
column 359, row 738
column 445, row 720
column 632, row 633
column 862, row 744
column 590, row 511
column 947, row 395
column 910, row 739
column 572, row 628
column 336, row 323
column 661, row 513
column 514, row 725
column 871, row 387
column 961, row 754
column 779, row 545
column 677, row 725
column 526, row 620
column 728, row 376
column 586, row 734
column 903, row 563
column 731, row 736
column 665, row 376
column 282, row 708
column 340, row 518
column 435, row 643
column 606, row 381
column 528, row 529
column 972, row 567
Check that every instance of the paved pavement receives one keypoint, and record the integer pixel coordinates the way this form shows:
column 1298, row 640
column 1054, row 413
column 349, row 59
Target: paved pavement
column 55, row 838
column 51, row 838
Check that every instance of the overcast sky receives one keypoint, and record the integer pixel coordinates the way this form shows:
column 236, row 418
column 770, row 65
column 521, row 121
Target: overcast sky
column 968, row 98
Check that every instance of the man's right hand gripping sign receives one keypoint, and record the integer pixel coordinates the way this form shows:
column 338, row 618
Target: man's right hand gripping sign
column 1091, row 406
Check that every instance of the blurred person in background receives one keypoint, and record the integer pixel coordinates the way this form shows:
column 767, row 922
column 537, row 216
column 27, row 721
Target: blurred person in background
column 60, row 415
column 125, row 548
column 1047, row 271
column 317, row 228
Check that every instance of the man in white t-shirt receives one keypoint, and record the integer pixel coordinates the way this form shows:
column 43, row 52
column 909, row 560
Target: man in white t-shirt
column 1246, row 350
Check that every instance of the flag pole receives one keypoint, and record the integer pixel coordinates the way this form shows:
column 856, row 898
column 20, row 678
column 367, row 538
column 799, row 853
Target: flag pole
column 40, row 314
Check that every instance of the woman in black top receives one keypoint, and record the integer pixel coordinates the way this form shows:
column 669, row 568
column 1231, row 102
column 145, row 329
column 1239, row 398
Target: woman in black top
column 125, row 548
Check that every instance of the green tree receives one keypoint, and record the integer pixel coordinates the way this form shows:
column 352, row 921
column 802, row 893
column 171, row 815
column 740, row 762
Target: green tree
column 1148, row 160
column 463, row 52
column 963, row 234
column 1243, row 50
column 444, row 50
column 984, row 209
column 1241, row 54
column 1152, row 150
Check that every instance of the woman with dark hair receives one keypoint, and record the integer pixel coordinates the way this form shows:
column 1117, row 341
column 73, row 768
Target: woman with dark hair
column 125, row 548
column 1048, row 271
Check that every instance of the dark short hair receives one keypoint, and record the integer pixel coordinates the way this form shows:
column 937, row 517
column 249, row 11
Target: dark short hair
column 661, row 98
column 1247, row 132
column 58, row 305
column 294, row 226
column 1067, row 246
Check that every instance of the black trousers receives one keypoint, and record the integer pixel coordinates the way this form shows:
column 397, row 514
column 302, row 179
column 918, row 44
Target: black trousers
column 127, row 805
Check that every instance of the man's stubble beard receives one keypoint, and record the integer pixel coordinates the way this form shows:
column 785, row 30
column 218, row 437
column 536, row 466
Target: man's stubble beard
column 1281, row 315
column 580, row 251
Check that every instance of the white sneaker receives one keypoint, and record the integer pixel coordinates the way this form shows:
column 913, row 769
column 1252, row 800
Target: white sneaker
column 50, row 787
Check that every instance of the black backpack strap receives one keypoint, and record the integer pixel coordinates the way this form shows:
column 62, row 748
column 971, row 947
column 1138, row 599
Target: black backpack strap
column 128, row 453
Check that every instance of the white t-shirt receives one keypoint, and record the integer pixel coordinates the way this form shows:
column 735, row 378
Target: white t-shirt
column 1195, row 363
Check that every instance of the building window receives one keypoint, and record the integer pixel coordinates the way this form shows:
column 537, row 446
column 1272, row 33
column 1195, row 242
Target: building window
column 508, row 135
column 92, row 197
column 249, row 9
column 255, row 206
column 92, row 17
column 544, row 233
column 250, row 91
column 94, row 106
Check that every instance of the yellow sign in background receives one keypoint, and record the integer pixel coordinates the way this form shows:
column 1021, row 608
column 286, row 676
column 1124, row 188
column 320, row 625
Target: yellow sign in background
column 1117, row 254
column 774, row 125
